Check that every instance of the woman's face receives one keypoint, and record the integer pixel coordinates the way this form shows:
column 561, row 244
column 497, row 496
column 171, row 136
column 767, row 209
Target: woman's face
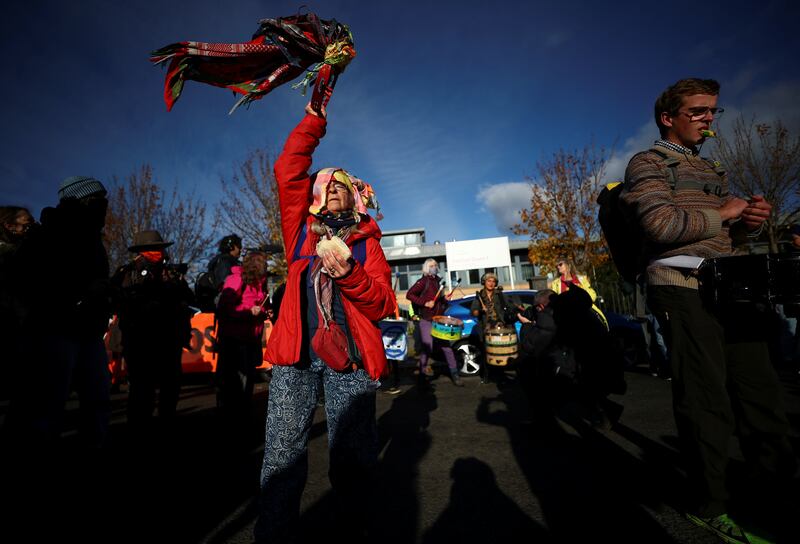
column 339, row 198
column 21, row 224
column 490, row 283
column 563, row 268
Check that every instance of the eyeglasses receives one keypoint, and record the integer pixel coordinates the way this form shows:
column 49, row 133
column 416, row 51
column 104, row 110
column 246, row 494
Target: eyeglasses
column 561, row 264
column 695, row 114
column 338, row 187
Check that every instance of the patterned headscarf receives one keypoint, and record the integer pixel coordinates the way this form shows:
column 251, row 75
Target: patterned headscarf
column 363, row 194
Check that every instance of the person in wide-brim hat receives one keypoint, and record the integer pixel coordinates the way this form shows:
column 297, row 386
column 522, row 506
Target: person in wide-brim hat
column 148, row 240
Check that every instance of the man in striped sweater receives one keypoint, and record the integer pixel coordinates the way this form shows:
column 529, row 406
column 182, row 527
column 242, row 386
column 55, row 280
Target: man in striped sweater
column 722, row 377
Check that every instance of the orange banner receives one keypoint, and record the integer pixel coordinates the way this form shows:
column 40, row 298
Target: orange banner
column 201, row 356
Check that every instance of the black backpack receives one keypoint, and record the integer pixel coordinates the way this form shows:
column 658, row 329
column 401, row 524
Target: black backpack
column 205, row 292
column 623, row 235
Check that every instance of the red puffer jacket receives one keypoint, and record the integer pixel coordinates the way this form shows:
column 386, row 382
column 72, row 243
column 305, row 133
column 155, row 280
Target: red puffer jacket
column 367, row 295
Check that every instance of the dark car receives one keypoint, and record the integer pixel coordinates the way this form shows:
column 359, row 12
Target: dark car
column 626, row 330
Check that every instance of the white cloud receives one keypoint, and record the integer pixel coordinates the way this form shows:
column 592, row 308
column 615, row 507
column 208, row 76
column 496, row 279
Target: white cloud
column 504, row 202
column 775, row 102
column 643, row 139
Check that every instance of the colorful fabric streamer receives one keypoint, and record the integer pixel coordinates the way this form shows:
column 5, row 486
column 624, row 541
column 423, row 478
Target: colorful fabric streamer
column 281, row 50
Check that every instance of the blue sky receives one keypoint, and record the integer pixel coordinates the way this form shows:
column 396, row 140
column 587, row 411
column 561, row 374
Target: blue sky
column 446, row 109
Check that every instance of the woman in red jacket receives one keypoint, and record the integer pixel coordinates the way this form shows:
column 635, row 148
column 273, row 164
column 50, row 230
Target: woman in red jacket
column 325, row 338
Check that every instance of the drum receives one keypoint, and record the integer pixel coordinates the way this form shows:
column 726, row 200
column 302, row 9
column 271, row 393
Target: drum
column 765, row 279
column 395, row 338
column 446, row 328
column 501, row 343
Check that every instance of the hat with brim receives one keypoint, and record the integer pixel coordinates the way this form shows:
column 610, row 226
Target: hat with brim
column 148, row 240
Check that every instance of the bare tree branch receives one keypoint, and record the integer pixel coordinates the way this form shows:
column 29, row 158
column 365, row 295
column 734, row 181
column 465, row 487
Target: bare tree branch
column 139, row 204
column 250, row 206
column 763, row 159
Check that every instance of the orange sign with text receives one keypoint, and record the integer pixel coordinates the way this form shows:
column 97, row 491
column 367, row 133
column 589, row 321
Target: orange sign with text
column 201, row 356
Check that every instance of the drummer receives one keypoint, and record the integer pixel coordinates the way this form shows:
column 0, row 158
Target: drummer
column 491, row 308
column 428, row 299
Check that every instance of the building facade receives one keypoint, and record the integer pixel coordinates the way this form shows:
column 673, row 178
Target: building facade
column 406, row 250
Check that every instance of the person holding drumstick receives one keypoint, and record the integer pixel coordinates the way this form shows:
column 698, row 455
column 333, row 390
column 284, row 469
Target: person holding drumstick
column 490, row 307
column 429, row 301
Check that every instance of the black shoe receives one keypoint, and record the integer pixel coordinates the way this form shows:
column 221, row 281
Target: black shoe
column 457, row 381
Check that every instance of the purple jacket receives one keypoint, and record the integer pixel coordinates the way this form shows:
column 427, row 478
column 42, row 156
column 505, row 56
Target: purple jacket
column 425, row 290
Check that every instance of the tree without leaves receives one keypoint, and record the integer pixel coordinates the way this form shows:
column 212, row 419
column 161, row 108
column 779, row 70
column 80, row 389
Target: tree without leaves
column 763, row 159
column 250, row 207
column 562, row 217
column 140, row 204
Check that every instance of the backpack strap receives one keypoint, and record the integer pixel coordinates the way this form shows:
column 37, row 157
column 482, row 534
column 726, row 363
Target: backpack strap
column 676, row 184
column 300, row 241
column 360, row 251
column 671, row 163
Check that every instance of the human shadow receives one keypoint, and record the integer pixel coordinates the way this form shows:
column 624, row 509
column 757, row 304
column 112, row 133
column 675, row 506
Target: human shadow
column 586, row 485
column 177, row 482
column 389, row 512
column 480, row 512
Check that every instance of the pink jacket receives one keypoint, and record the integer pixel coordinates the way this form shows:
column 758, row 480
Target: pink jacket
column 233, row 311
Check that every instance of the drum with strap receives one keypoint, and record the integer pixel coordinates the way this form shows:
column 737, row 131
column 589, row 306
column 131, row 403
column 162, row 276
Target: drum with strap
column 751, row 279
column 501, row 344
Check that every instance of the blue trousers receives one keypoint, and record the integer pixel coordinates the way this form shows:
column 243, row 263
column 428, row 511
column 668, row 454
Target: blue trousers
column 352, row 442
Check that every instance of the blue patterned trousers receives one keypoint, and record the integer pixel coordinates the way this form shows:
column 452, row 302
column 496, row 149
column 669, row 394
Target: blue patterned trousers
column 352, row 442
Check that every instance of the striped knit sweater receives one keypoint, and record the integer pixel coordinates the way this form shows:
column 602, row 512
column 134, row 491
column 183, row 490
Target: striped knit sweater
column 685, row 222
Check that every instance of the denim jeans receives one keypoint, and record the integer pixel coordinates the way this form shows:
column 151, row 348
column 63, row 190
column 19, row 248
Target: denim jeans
column 352, row 442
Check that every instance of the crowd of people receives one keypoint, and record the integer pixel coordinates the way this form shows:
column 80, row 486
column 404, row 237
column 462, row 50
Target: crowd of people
column 326, row 349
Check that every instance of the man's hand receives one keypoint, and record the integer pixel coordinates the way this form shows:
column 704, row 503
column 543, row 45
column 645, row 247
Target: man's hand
column 255, row 310
column 323, row 113
column 429, row 304
column 522, row 318
column 732, row 209
column 756, row 212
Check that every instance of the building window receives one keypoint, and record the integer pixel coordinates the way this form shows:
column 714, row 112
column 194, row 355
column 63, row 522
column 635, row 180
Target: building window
column 407, row 275
column 474, row 276
column 503, row 275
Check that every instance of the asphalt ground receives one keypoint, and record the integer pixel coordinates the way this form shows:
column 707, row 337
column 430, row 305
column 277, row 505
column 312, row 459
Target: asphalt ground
column 457, row 464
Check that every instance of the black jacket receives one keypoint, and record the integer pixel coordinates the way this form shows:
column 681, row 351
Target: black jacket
column 153, row 308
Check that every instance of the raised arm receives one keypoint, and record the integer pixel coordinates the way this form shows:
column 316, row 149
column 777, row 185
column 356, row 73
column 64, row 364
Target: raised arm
column 292, row 174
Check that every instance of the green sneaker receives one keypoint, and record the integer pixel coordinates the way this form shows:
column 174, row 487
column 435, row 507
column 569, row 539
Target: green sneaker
column 722, row 526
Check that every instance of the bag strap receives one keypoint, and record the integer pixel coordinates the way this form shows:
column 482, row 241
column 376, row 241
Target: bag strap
column 677, row 184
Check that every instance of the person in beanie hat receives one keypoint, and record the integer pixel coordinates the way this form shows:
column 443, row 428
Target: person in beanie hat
column 79, row 187
column 155, row 322
column 63, row 275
